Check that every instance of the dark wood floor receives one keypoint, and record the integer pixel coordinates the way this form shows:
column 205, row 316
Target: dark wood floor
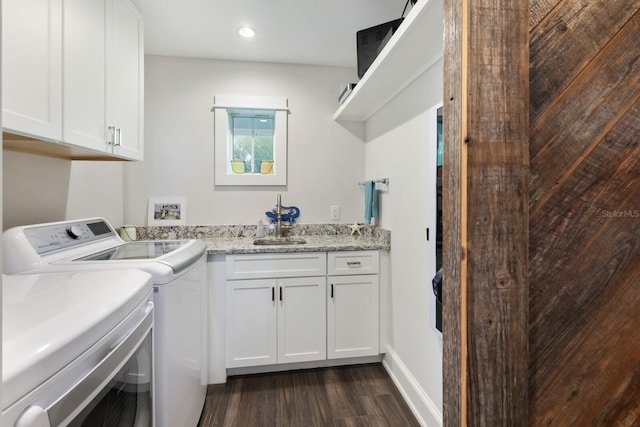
column 361, row 395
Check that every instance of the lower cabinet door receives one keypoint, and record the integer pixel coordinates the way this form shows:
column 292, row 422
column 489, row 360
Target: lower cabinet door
column 352, row 316
column 251, row 323
column 302, row 326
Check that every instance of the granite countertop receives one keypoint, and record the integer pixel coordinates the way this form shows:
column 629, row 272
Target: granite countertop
column 238, row 239
column 315, row 243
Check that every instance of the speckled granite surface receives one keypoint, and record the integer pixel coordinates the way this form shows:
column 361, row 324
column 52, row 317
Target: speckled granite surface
column 238, row 239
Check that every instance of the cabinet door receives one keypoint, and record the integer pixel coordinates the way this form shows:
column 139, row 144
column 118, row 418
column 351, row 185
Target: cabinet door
column 352, row 316
column 32, row 68
column 126, row 74
column 302, row 319
column 251, row 326
column 84, row 60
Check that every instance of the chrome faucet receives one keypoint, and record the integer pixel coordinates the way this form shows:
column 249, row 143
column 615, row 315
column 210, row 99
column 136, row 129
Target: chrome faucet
column 278, row 217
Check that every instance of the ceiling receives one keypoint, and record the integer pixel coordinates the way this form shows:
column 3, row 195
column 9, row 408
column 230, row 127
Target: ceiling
column 287, row 31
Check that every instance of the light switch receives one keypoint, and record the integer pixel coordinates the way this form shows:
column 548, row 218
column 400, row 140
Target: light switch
column 335, row 213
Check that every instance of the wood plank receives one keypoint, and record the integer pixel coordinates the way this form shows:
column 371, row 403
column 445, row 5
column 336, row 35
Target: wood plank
column 576, row 26
column 583, row 297
column 623, row 409
column 454, row 259
column 575, row 208
column 584, row 206
column 598, row 351
column 485, row 212
column 584, row 113
column 539, row 10
column 497, row 212
column 308, row 396
column 362, row 395
column 339, row 399
column 498, row 300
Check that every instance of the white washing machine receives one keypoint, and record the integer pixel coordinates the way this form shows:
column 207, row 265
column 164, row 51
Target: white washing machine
column 77, row 349
column 178, row 269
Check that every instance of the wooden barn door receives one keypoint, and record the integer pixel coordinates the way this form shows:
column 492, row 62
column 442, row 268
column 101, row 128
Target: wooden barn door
column 571, row 355
column 584, row 292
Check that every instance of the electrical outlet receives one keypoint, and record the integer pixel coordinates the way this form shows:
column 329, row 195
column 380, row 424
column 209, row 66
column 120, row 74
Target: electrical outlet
column 335, row 213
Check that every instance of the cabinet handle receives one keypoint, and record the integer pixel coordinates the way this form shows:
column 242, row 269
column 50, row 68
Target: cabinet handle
column 353, row 263
column 280, row 293
column 332, row 290
column 118, row 139
column 112, row 132
column 273, row 293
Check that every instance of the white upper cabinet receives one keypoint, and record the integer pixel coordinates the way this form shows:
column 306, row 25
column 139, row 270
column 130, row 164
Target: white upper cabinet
column 32, row 68
column 84, row 80
column 80, row 86
column 125, row 65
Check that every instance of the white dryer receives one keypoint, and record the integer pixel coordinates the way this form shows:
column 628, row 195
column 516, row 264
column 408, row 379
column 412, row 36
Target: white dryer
column 178, row 269
column 76, row 349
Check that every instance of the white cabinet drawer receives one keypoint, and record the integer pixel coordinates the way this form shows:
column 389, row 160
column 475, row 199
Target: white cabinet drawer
column 347, row 263
column 265, row 266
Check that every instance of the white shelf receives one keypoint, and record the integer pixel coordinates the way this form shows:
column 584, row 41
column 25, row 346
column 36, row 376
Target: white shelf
column 414, row 48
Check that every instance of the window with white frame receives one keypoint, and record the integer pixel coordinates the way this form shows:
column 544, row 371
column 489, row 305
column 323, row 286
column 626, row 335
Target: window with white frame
column 250, row 138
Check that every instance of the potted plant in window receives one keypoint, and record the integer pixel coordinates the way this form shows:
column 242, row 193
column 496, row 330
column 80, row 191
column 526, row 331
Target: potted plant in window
column 237, row 166
column 266, row 167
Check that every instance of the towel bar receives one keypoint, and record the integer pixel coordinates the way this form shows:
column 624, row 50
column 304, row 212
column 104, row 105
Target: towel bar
column 381, row 180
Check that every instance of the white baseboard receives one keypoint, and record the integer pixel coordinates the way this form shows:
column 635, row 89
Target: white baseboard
column 427, row 413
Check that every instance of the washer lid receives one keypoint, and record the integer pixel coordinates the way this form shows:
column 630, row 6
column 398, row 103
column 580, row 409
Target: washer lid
column 48, row 320
column 136, row 250
column 176, row 254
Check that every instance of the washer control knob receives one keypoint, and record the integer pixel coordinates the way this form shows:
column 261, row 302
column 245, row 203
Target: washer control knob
column 74, row 232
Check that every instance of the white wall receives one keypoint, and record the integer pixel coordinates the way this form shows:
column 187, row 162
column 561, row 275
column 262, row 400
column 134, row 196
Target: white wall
column 41, row 189
column 325, row 160
column 96, row 189
column 401, row 145
column 35, row 188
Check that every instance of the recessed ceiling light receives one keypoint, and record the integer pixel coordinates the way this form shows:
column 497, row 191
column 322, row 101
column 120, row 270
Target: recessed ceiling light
column 247, row 32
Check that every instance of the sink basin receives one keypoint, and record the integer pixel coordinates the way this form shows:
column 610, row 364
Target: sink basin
column 279, row 241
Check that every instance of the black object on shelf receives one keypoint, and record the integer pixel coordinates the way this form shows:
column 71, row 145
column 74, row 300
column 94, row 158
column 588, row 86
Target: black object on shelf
column 370, row 41
column 437, row 291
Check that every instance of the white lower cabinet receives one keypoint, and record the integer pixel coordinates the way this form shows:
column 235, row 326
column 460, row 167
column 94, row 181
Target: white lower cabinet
column 279, row 308
column 275, row 321
column 302, row 330
column 352, row 316
column 251, row 323
column 353, row 311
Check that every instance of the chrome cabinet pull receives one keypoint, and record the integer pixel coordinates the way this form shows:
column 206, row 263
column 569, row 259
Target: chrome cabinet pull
column 118, row 139
column 353, row 263
column 116, row 136
column 112, row 134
